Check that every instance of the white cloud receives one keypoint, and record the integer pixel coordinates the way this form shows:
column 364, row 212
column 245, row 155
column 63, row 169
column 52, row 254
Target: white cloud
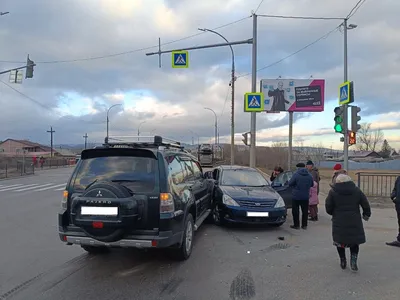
column 173, row 100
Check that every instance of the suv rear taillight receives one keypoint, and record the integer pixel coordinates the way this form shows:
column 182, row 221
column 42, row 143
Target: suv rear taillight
column 64, row 200
column 166, row 203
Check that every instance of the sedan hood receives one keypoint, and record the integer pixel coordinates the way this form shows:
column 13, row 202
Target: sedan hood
column 250, row 193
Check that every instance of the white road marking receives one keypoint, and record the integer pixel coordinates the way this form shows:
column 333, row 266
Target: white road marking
column 51, row 187
column 31, row 188
column 17, row 186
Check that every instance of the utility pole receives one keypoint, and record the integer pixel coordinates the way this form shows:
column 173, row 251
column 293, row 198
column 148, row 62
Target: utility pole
column 51, row 131
column 345, row 107
column 253, row 121
column 85, row 137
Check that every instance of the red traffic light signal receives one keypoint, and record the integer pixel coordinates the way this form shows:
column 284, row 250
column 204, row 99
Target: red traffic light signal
column 352, row 138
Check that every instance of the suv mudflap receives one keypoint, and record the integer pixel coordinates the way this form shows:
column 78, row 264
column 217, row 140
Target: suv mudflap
column 146, row 239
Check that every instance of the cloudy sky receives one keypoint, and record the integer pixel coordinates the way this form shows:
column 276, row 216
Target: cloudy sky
column 90, row 54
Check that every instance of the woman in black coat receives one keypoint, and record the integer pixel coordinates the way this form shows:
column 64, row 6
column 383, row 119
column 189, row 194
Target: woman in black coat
column 343, row 204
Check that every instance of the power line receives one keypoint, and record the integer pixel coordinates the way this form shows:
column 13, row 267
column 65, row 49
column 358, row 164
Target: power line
column 300, row 17
column 130, row 51
column 259, row 5
column 355, row 8
column 26, row 96
column 296, row 52
column 226, row 100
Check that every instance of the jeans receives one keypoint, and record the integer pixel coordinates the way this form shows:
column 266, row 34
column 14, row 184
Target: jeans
column 353, row 250
column 296, row 204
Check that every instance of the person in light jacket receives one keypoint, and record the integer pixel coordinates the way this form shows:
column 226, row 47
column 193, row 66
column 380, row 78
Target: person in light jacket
column 343, row 204
column 313, row 202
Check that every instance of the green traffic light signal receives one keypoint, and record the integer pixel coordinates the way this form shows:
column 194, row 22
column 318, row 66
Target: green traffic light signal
column 338, row 128
column 339, row 120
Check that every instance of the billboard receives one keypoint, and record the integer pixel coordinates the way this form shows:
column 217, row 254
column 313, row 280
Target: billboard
column 302, row 95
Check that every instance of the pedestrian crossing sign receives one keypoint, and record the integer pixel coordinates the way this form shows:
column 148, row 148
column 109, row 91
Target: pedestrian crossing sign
column 344, row 93
column 253, row 102
column 180, row 59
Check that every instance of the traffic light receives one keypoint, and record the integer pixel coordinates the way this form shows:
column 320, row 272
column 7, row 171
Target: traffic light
column 29, row 68
column 246, row 139
column 339, row 119
column 352, row 138
column 355, row 118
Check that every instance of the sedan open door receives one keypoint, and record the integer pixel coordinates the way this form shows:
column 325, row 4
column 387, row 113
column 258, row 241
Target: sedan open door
column 281, row 185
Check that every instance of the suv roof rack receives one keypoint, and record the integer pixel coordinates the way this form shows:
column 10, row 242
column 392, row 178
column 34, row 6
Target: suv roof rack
column 141, row 141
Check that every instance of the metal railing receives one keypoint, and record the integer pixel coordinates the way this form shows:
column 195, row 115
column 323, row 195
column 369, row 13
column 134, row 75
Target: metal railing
column 376, row 184
column 18, row 168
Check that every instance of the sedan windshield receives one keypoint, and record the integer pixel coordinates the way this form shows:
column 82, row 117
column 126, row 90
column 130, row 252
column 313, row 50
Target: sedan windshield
column 240, row 177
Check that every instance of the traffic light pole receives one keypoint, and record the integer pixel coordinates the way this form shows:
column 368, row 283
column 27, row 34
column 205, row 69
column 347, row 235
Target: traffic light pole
column 345, row 106
column 253, row 120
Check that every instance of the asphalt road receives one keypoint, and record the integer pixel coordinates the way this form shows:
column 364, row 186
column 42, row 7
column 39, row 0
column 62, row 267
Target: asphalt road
column 226, row 263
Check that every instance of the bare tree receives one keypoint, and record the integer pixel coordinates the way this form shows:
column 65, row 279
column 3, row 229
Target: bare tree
column 279, row 155
column 368, row 139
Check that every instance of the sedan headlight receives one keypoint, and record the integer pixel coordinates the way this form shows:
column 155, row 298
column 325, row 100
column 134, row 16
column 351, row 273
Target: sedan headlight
column 280, row 203
column 229, row 201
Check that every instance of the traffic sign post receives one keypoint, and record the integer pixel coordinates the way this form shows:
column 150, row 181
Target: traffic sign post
column 253, row 102
column 180, row 59
column 346, row 93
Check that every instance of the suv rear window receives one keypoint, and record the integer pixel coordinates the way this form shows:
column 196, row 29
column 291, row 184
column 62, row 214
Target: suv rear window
column 137, row 173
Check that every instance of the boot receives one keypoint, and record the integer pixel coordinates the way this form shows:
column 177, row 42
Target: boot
column 343, row 262
column 353, row 262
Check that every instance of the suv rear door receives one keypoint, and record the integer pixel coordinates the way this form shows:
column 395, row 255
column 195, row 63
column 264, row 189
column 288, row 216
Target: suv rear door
column 136, row 169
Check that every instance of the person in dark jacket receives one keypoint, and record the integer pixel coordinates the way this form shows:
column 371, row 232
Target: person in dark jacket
column 396, row 199
column 275, row 173
column 314, row 173
column 343, row 204
column 301, row 182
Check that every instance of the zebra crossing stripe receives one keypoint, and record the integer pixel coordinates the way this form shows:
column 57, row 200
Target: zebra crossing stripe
column 51, row 187
column 61, row 189
column 16, row 186
column 31, row 188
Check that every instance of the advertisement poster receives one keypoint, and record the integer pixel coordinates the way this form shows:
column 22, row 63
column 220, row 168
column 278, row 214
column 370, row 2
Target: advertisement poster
column 302, row 95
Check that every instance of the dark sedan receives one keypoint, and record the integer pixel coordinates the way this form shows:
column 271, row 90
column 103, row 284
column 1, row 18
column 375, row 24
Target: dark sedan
column 243, row 195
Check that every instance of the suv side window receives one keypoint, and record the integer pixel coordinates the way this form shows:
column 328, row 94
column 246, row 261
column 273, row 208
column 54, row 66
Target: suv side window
column 196, row 170
column 188, row 169
column 175, row 169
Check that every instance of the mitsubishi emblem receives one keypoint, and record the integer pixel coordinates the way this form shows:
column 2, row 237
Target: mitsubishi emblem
column 99, row 194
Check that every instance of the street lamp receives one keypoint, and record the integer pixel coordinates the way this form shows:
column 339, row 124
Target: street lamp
column 108, row 120
column 345, row 106
column 138, row 130
column 232, row 85
column 216, row 124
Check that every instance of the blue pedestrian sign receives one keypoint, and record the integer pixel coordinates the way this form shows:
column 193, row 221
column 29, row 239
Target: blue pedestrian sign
column 180, row 59
column 345, row 93
column 253, row 102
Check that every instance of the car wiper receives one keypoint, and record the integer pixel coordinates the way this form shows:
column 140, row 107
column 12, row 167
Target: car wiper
column 264, row 185
column 90, row 184
column 125, row 180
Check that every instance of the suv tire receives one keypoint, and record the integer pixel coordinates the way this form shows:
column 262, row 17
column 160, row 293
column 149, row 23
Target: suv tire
column 95, row 250
column 185, row 249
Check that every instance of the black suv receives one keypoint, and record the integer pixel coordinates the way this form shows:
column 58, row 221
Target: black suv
column 141, row 194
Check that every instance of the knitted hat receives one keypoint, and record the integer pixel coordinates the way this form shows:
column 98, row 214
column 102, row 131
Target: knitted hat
column 300, row 165
column 309, row 163
column 337, row 167
column 343, row 178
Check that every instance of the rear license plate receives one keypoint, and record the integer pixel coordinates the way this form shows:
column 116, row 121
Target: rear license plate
column 99, row 211
column 257, row 214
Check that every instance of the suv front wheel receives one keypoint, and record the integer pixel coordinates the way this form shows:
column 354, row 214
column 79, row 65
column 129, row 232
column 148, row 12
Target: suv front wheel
column 185, row 249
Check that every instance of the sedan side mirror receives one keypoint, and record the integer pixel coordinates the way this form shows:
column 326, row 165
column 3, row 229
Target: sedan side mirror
column 276, row 184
